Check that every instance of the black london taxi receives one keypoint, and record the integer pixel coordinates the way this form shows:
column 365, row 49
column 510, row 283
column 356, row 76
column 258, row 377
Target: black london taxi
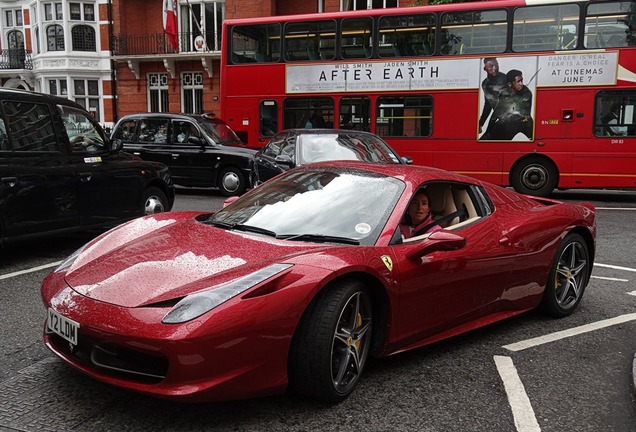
column 200, row 149
column 59, row 172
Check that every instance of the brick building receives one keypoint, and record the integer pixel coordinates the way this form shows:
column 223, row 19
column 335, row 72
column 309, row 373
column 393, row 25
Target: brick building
column 113, row 56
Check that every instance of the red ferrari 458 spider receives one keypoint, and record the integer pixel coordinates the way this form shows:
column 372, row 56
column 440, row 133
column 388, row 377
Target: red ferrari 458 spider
column 296, row 283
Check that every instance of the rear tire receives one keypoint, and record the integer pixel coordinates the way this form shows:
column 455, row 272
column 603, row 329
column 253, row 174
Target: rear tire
column 535, row 176
column 153, row 201
column 231, row 182
column 332, row 343
column 568, row 277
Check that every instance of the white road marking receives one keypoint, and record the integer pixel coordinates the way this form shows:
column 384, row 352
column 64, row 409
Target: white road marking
column 522, row 412
column 529, row 343
column 616, row 208
column 615, row 267
column 610, row 279
column 632, row 293
column 31, row 270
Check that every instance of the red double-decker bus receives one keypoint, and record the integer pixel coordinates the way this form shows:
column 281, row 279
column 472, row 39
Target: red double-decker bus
column 532, row 94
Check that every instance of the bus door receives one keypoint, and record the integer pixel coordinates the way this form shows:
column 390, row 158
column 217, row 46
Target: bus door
column 268, row 121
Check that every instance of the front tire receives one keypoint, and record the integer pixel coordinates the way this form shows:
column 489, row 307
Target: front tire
column 332, row 343
column 231, row 182
column 568, row 277
column 534, row 176
column 153, row 201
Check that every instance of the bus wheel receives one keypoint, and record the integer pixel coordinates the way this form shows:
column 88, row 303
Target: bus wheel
column 534, row 176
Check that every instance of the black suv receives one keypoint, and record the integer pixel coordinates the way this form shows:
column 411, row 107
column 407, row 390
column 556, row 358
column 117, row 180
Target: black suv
column 59, row 172
column 200, row 150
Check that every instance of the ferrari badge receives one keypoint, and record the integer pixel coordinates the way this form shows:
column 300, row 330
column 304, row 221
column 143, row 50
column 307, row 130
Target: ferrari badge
column 387, row 262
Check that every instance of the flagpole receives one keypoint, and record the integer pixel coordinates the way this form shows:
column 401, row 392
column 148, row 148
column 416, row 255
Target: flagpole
column 196, row 21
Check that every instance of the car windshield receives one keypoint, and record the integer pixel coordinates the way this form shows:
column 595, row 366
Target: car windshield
column 344, row 146
column 219, row 131
column 318, row 204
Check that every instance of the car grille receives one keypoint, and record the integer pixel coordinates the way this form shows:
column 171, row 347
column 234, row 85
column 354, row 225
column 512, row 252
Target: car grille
column 114, row 360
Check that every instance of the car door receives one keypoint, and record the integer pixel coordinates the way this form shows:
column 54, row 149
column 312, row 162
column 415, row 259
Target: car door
column 108, row 183
column 146, row 137
column 445, row 289
column 38, row 187
column 193, row 160
column 266, row 163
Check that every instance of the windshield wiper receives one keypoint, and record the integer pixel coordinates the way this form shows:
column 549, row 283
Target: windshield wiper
column 319, row 238
column 242, row 227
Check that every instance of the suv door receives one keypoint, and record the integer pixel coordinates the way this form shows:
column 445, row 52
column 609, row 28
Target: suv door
column 38, row 187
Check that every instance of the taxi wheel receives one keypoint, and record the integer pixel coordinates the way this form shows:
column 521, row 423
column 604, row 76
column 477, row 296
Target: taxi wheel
column 332, row 344
column 231, row 182
column 153, row 201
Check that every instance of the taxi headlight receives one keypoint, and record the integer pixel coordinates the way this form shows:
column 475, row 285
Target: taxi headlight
column 197, row 304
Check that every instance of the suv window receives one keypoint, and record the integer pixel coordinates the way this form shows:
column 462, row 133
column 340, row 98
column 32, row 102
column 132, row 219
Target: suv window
column 81, row 131
column 30, row 126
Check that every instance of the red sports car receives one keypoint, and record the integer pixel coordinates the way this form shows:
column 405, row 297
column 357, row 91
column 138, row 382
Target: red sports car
column 296, row 283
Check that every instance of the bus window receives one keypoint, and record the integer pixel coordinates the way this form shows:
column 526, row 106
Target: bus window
column 474, row 32
column 356, row 40
column 268, row 117
column 355, row 113
column 410, row 116
column 610, row 25
column 255, row 43
column 614, row 113
column 407, row 35
column 310, row 40
column 545, row 28
column 306, row 112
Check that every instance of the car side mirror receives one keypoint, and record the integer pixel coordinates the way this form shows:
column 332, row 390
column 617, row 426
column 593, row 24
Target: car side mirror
column 284, row 160
column 407, row 160
column 196, row 140
column 116, row 145
column 438, row 241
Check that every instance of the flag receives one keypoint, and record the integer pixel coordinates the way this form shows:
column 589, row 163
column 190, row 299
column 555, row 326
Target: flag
column 170, row 22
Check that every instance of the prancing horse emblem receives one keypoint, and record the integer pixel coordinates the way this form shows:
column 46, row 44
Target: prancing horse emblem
column 387, row 262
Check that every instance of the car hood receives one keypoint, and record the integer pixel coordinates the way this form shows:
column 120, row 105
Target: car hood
column 169, row 255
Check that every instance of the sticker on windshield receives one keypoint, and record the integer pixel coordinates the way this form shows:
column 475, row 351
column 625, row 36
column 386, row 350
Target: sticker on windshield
column 363, row 228
column 92, row 159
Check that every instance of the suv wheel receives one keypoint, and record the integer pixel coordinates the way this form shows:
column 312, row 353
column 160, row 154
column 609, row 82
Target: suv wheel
column 232, row 182
column 153, row 201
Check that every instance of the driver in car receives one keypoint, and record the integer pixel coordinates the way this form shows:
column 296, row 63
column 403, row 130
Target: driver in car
column 418, row 219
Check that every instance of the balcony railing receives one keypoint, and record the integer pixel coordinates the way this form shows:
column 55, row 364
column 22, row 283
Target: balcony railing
column 156, row 44
column 15, row 59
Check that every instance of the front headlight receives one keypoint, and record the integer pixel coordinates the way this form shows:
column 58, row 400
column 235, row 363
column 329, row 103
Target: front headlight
column 195, row 305
column 70, row 260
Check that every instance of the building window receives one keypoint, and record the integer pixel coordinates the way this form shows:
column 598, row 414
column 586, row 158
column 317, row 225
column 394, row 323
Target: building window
column 58, row 87
column 55, row 37
column 87, row 95
column 192, row 88
column 346, row 5
column 49, row 9
column 158, row 92
column 83, row 38
column 202, row 18
column 82, row 11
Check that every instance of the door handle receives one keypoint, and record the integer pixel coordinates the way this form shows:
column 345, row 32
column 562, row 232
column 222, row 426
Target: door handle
column 85, row 176
column 10, row 181
column 175, row 155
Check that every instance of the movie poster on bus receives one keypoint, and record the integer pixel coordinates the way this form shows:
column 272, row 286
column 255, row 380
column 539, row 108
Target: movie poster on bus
column 507, row 98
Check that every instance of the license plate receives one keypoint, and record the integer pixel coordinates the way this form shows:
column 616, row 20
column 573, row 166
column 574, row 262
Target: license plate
column 60, row 325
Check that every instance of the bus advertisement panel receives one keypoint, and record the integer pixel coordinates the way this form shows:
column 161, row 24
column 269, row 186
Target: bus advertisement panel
column 531, row 94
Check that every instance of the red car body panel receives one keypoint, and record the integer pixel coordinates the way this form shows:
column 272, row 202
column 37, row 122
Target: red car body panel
column 124, row 282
